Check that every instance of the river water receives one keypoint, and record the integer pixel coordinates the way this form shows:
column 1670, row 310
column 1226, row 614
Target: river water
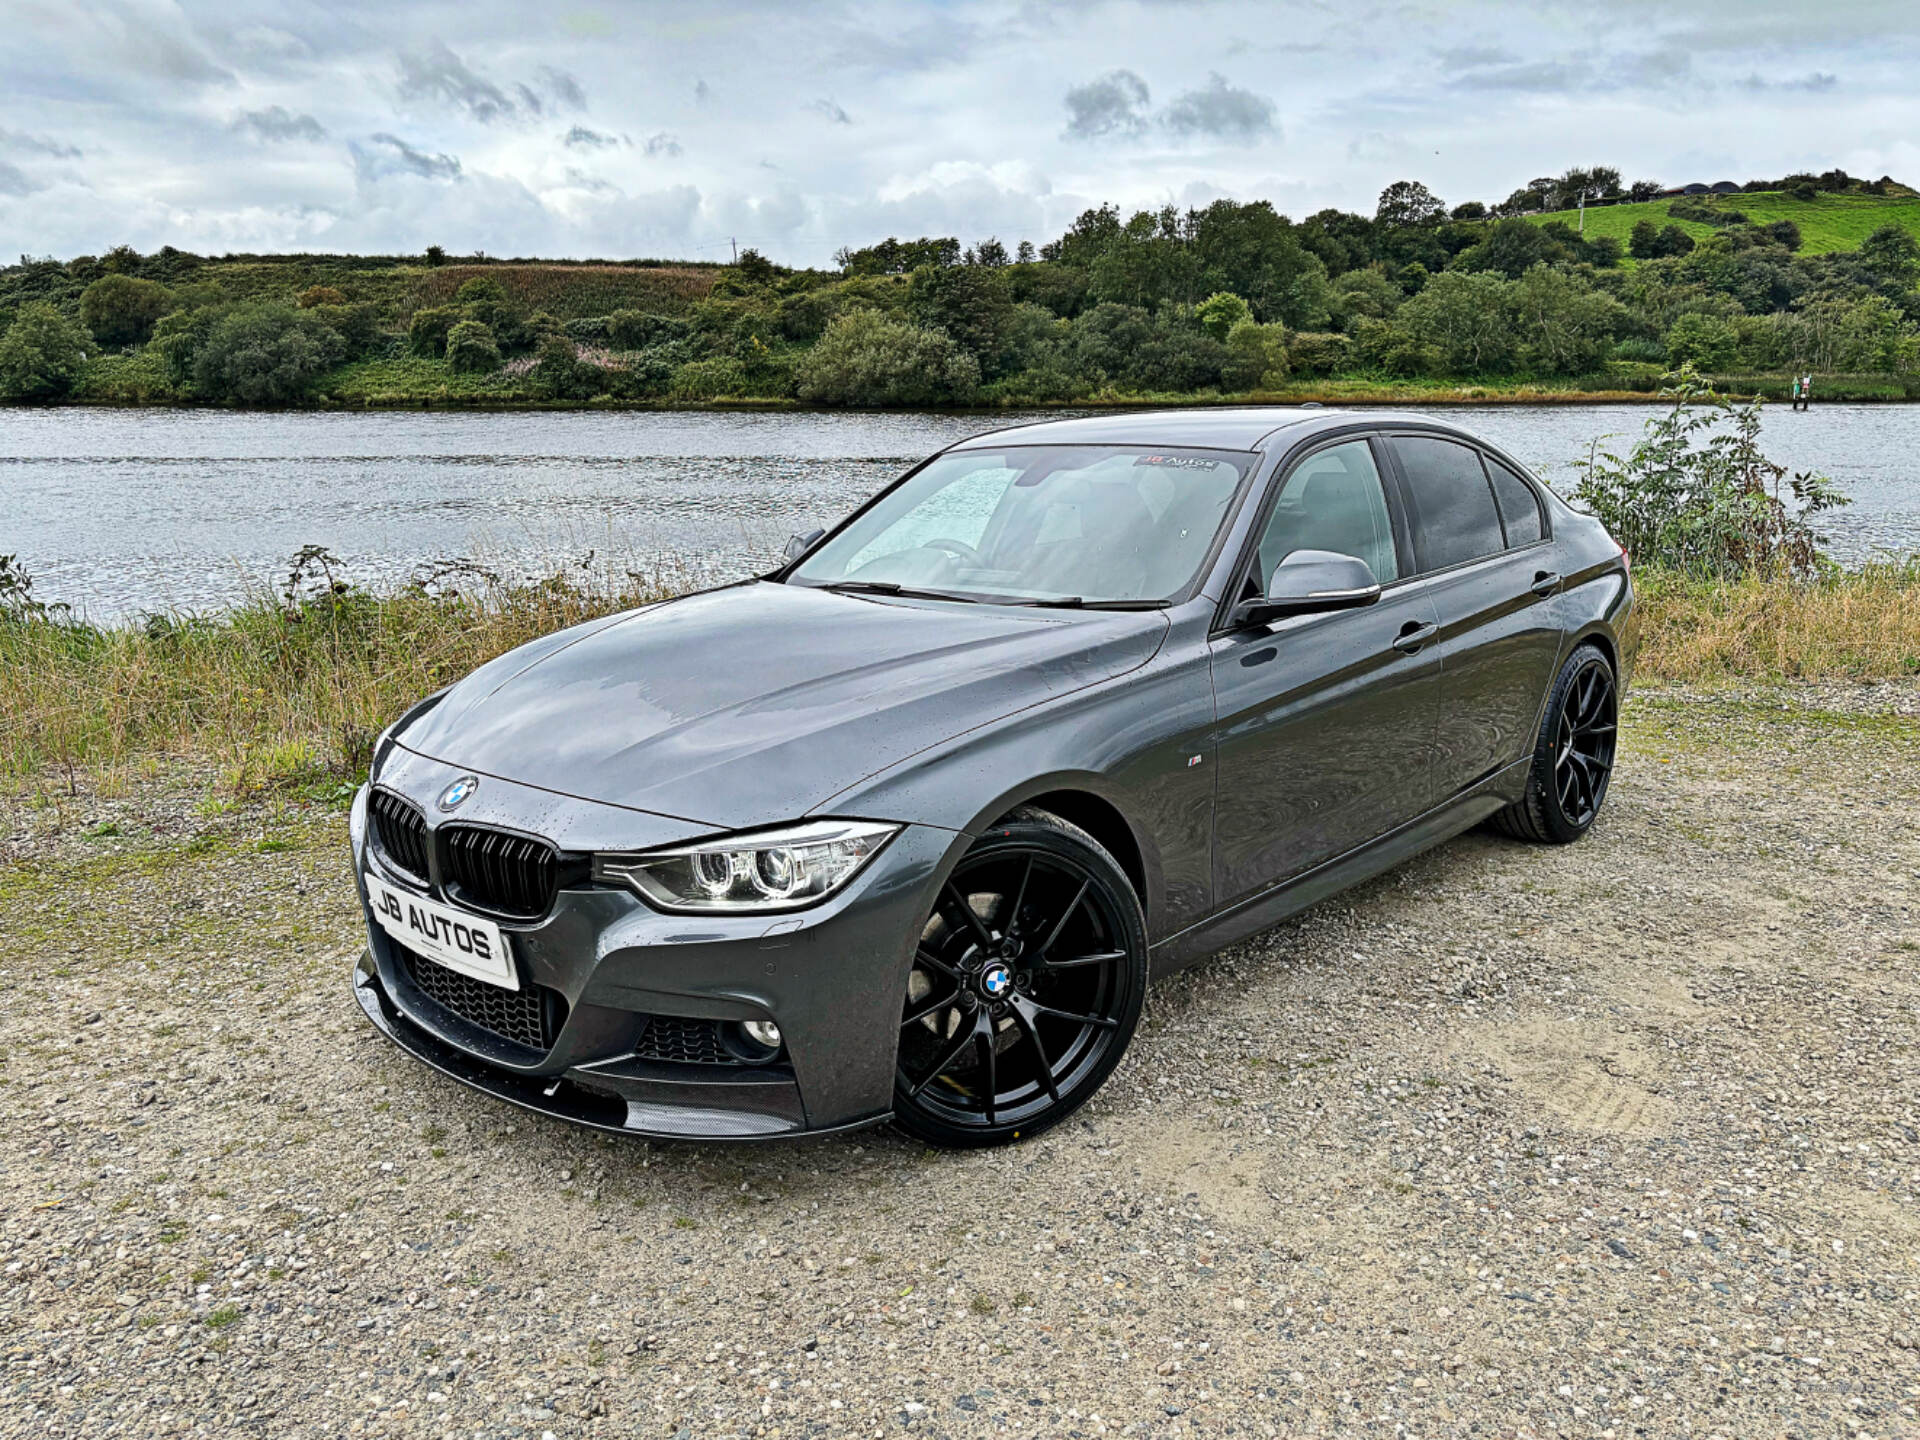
column 118, row 512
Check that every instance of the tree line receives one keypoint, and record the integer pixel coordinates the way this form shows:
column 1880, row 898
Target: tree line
column 1233, row 298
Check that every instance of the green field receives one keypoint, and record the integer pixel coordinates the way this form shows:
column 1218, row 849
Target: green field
column 1827, row 222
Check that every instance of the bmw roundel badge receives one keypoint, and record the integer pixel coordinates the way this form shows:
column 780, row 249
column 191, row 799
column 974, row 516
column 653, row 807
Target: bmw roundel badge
column 455, row 795
column 996, row 980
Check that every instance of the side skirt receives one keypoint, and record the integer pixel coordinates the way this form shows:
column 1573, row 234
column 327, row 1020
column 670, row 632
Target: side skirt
column 1270, row 907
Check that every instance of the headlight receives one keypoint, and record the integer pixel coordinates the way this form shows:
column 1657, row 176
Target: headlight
column 771, row 870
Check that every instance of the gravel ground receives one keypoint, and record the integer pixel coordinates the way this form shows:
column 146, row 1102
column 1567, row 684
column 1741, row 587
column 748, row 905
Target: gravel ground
column 1621, row 1140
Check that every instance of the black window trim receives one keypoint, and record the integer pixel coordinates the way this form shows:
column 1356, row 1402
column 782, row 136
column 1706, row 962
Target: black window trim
column 1406, row 496
column 1489, row 458
column 1263, row 503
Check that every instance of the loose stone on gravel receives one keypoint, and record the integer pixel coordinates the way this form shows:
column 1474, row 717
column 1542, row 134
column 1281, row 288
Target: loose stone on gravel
column 1616, row 1140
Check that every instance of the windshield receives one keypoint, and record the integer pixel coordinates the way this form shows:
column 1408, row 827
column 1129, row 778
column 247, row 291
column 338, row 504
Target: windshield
column 1081, row 524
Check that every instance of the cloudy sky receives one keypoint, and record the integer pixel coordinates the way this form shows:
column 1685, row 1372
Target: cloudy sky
column 674, row 129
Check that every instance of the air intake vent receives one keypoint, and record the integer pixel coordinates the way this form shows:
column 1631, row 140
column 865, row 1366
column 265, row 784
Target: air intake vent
column 688, row 1042
column 493, row 870
column 531, row 1016
column 401, row 831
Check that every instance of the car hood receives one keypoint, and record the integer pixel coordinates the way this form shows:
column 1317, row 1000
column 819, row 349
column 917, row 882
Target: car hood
column 754, row 704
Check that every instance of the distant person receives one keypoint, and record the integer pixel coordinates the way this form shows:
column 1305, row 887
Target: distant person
column 1796, row 392
column 1806, row 392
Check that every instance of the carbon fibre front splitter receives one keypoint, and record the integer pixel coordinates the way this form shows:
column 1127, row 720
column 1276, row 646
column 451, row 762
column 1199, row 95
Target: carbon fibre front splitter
column 595, row 1102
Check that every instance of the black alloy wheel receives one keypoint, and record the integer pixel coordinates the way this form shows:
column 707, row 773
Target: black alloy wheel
column 1027, row 983
column 1573, row 759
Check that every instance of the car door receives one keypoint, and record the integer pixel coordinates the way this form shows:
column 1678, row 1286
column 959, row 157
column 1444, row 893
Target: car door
column 1325, row 731
column 1480, row 542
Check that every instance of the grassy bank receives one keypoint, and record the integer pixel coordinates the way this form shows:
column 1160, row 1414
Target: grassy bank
column 1829, row 223
column 293, row 694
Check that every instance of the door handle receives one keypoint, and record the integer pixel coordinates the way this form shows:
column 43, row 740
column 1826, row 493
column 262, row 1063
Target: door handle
column 1545, row 583
column 1414, row 635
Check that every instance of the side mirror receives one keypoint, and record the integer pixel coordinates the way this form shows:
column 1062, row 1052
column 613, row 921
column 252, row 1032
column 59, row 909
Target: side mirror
column 798, row 545
column 1309, row 582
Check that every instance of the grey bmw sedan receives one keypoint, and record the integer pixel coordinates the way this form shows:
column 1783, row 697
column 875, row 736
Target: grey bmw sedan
column 903, row 829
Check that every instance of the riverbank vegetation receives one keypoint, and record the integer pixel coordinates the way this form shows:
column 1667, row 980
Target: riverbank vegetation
column 292, row 687
column 1231, row 301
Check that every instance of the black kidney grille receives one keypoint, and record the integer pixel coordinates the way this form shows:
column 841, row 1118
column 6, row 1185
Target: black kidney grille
column 530, row 1016
column 507, row 874
column 691, row 1042
column 401, row 830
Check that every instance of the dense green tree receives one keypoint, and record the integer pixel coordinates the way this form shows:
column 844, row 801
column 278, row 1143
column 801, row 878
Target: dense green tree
column 428, row 329
column 1512, row 248
column 1255, row 252
column 122, row 310
column 471, row 349
column 867, row 358
column 1107, row 337
column 1561, row 324
column 1463, row 317
column 1707, row 342
column 971, row 303
column 1892, row 253
column 1256, row 356
column 42, row 355
column 900, row 257
column 258, row 353
column 1408, row 202
column 1220, row 312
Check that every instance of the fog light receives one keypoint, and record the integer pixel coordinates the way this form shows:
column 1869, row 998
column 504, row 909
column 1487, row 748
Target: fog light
column 762, row 1032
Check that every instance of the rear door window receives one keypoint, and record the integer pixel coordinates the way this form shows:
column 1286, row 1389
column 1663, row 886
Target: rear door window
column 1519, row 505
column 1454, row 516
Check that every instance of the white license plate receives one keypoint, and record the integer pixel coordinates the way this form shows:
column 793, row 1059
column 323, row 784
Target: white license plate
column 448, row 937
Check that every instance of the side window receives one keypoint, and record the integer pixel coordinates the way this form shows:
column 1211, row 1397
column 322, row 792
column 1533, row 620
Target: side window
column 1454, row 519
column 1333, row 500
column 1519, row 505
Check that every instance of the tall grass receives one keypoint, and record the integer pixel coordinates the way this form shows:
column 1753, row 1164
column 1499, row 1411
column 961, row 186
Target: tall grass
column 1845, row 625
column 295, row 686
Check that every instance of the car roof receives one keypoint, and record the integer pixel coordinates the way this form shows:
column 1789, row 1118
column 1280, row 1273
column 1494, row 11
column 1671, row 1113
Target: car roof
column 1237, row 428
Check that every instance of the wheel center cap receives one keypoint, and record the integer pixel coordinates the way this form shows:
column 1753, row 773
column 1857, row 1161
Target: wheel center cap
column 995, row 981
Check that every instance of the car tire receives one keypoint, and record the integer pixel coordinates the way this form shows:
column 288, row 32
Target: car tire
column 1572, row 757
column 1028, row 981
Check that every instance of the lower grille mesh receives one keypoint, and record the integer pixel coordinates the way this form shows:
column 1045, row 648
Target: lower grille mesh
column 691, row 1042
column 527, row 1017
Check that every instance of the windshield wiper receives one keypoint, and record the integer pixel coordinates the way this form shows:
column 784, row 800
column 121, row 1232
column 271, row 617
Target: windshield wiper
column 887, row 587
column 1076, row 602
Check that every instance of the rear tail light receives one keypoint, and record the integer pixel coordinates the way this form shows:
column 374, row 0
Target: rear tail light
column 1626, row 560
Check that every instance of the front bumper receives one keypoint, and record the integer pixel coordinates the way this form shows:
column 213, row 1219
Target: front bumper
column 833, row 978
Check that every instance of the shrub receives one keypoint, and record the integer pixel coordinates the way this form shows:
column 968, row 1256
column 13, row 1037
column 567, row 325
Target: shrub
column 427, row 331
column 559, row 374
column 1256, row 356
column 41, row 355
column 358, row 327
column 263, row 353
column 709, row 379
column 315, row 296
column 1706, row 342
column 1220, row 312
column 471, row 349
column 866, row 358
column 1385, row 346
column 481, row 289
column 636, row 330
column 1319, row 353
column 1696, row 495
column 121, row 310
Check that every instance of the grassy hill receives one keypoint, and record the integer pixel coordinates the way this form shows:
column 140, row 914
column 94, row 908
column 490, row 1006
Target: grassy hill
column 1827, row 222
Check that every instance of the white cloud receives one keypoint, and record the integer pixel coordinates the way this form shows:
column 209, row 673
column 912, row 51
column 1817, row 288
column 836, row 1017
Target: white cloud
column 257, row 124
